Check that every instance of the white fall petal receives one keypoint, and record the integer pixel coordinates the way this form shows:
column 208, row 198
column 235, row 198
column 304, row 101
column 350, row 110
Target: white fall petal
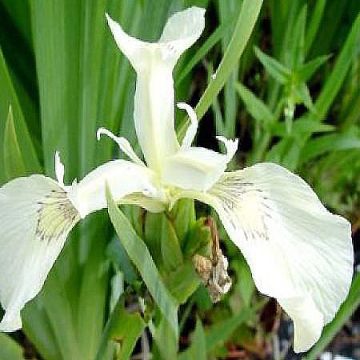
column 35, row 219
column 37, row 214
column 154, row 95
column 298, row 252
column 127, row 181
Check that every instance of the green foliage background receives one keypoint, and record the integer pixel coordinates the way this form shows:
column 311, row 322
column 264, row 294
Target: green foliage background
column 287, row 84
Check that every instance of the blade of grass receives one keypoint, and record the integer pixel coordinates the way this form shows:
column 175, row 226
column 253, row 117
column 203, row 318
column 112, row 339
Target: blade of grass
column 197, row 349
column 314, row 23
column 124, row 328
column 338, row 73
column 13, row 161
column 9, row 98
column 329, row 143
column 221, row 331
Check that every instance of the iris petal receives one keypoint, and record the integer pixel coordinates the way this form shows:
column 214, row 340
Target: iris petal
column 298, row 252
column 154, row 95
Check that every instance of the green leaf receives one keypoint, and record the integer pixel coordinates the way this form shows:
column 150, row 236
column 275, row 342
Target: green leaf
column 140, row 256
column 10, row 349
column 245, row 282
column 256, row 107
column 170, row 247
column 116, row 252
column 338, row 73
column 326, row 143
column 197, row 349
column 198, row 239
column 302, row 93
column 152, row 238
column 302, row 126
column 13, row 161
column 277, row 70
column 306, row 71
column 248, row 15
column 314, row 23
column 346, row 310
column 165, row 343
column 200, row 54
column 298, row 39
column 162, row 240
column 123, row 328
column 183, row 217
column 221, row 331
column 183, row 282
column 24, row 142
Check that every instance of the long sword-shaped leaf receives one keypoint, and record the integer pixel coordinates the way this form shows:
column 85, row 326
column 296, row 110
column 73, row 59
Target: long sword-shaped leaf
column 140, row 256
column 124, row 328
column 9, row 349
column 9, row 98
column 341, row 68
column 248, row 15
column 14, row 165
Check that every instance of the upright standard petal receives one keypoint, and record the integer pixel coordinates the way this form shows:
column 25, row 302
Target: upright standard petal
column 129, row 183
column 196, row 168
column 154, row 95
column 298, row 252
column 35, row 219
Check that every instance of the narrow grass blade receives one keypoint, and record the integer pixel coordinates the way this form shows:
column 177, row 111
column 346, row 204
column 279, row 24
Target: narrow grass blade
column 278, row 71
column 256, row 107
column 123, row 328
column 329, row 143
column 306, row 71
column 9, row 98
column 313, row 27
column 221, row 331
column 338, row 73
column 13, row 161
column 197, row 349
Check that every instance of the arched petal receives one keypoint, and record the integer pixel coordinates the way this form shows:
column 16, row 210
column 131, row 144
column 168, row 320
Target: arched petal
column 123, row 144
column 181, row 31
column 59, row 169
column 193, row 127
column 128, row 183
column 197, row 168
column 35, row 218
column 298, row 251
column 154, row 95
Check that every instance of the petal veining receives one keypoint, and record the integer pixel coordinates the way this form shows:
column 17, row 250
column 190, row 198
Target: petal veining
column 297, row 250
column 35, row 218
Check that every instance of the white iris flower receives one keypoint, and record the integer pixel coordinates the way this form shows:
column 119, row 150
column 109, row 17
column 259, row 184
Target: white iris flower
column 298, row 252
